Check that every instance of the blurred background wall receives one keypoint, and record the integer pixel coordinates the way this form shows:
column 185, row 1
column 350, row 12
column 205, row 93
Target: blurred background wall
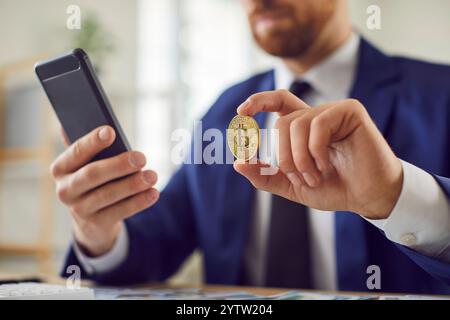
column 32, row 223
column 165, row 63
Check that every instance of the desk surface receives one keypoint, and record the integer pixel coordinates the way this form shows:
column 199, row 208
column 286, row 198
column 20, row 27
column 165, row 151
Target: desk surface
column 223, row 288
column 208, row 288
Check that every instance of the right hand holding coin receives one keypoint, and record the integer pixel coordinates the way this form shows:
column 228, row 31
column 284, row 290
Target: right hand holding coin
column 331, row 157
column 98, row 200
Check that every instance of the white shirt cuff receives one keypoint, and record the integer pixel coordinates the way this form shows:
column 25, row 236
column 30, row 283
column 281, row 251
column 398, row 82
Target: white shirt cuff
column 421, row 218
column 107, row 262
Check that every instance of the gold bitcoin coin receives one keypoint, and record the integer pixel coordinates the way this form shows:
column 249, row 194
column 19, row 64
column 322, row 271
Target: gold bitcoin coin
column 243, row 137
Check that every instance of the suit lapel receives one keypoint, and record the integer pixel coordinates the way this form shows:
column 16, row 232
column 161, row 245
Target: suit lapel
column 376, row 84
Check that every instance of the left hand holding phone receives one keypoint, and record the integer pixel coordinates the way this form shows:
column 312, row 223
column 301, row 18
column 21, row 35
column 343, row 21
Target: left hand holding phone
column 103, row 193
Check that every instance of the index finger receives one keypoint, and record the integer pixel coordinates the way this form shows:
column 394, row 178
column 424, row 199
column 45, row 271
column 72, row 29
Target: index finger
column 83, row 150
column 281, row 101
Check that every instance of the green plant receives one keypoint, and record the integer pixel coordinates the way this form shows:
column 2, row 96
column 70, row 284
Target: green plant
column 94, row 39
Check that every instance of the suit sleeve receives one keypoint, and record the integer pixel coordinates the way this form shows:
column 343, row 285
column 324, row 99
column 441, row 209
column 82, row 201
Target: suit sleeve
column 159, row 239
column 436, row 265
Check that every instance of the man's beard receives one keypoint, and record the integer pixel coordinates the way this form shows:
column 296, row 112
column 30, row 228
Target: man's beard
column 290, row 39
column 286, row 43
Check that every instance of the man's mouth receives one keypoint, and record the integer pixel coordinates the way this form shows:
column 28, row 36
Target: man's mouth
column 269, row 18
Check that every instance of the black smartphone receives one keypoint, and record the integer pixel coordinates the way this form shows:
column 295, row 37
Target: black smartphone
column 78, row 99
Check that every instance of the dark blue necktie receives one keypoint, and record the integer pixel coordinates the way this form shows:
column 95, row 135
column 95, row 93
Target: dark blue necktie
column 288, row 256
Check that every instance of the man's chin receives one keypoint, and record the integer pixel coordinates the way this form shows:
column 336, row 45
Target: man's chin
column 282, row 47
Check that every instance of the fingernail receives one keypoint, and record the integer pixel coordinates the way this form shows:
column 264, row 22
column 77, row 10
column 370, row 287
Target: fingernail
column 104, row 134
column 152, row 195
column 310, row 180
column 137, row 160
column 148, row 177
column 242, row 106
column 294, row 179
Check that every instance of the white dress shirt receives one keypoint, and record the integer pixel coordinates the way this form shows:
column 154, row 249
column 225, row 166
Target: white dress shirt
column 420, row 219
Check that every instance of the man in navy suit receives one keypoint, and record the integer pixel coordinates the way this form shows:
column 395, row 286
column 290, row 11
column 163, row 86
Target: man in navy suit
column 360, row 187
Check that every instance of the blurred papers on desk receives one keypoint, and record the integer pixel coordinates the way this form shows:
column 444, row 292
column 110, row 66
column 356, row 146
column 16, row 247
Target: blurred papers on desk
column 200, row 294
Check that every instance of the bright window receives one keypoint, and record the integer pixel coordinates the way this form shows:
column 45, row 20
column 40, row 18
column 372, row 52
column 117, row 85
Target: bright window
column 189, row 52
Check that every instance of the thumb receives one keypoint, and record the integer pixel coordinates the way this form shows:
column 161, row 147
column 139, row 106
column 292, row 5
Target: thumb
column 265, row 177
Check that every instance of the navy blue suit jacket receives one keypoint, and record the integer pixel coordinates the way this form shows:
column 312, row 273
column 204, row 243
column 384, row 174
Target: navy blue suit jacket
column 209, row 206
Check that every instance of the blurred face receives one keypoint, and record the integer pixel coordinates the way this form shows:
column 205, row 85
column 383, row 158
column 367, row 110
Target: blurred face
column 287, row 28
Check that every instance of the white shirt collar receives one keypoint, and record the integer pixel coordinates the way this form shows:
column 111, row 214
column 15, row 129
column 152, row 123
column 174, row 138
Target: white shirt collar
column 332, row 79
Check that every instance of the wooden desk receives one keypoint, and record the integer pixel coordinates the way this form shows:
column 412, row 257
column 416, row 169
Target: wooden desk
column 218, row 288
column 58, row 280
